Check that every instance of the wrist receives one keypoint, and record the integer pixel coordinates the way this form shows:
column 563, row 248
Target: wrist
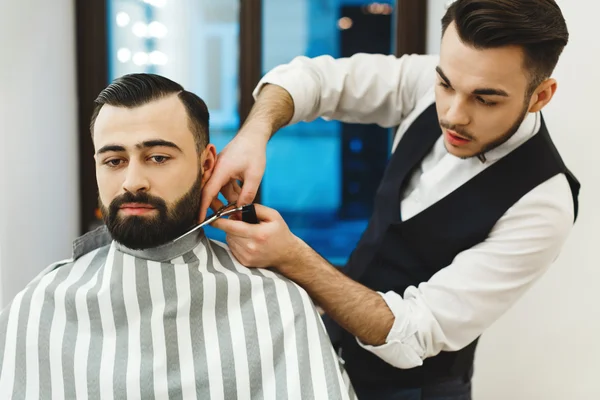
column 257, row 129
column 273, row 109
column 294, row 256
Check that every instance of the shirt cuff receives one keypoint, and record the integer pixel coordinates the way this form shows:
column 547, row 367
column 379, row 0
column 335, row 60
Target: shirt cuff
column 401, row 348
column 301, row 87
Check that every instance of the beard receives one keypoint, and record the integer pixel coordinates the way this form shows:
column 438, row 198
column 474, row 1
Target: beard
column 494, row 143
column 506, row 136
column 139, row 232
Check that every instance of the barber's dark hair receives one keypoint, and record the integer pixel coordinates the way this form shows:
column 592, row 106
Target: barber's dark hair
column 135, row 90
column 537, row 26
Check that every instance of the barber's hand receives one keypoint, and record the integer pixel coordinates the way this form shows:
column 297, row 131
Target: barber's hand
column 243, row 159
column 269, row 243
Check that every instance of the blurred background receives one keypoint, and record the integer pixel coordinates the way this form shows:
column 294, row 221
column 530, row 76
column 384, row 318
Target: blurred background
column 322, row 175
column 57, row 56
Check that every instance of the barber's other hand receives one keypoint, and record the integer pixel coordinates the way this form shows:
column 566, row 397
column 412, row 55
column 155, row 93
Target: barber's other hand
column 243, row 159
column 269, row 243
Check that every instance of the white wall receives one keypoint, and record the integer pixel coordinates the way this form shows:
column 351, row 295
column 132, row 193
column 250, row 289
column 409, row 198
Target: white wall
column 547, row 346
column 38, row 139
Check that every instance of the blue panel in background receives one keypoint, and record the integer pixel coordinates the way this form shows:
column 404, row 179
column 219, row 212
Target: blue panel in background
column 321, row 176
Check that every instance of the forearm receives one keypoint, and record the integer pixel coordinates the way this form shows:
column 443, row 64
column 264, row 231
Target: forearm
column 358, row 309
column 273, row 110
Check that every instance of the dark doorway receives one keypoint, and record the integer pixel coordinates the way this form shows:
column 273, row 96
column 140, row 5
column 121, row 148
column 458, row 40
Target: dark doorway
column 365, row 148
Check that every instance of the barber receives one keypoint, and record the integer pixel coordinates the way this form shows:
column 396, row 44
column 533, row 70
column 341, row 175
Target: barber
column 466, row 218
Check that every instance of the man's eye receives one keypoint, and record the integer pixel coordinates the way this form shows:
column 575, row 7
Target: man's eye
column 159, row 159
column 445, row 85
column 485, row 102
column 115, row 162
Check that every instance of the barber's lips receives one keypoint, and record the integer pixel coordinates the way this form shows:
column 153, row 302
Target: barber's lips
column 137, row 209
column 455, row 139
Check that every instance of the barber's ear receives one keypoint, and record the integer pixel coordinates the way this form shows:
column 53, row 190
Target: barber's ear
column 542, row 95
column 208, row 159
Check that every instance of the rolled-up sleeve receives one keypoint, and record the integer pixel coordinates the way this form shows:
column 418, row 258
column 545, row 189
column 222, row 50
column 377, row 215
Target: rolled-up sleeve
column 364, row 88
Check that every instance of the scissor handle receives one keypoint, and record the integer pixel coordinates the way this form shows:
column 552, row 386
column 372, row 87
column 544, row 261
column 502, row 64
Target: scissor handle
column 249, row 214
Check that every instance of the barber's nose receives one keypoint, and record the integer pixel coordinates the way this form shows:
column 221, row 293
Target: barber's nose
column 135, row 179
column 457, row 113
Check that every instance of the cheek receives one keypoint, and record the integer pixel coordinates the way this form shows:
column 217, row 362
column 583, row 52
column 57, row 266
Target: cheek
column 442, row 101
column 109, row 185
column 173, row 182
column 491, row 123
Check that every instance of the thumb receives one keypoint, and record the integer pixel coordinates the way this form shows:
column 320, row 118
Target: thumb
column 249, row 188
column 266, row 214
column 234, row 228
column 210, row 192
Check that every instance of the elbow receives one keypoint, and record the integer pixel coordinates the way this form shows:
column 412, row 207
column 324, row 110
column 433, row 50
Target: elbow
column 397, row 354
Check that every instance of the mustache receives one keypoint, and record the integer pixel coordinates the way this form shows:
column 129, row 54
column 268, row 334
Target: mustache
column 457, row 129
column 141, row 197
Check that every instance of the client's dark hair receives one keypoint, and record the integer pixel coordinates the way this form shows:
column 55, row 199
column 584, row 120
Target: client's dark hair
column 537, row 26
column 135, row 90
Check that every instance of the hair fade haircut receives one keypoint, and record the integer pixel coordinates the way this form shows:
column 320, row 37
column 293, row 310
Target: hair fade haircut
column 135, row 90
column 537, row 26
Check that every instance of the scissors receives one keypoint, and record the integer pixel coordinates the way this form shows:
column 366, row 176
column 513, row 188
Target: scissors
column 248, row 216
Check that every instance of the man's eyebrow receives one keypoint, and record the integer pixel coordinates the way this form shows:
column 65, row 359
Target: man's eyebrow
column 443, row 76
column 143, row 145
column 110, row 147
column 157, row 143
column 477, row 92
column 490, row 92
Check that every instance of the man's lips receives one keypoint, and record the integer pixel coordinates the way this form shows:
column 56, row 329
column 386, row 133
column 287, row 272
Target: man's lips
column 455, row 139
column 453, row 133
column 136, row 205
column 136, row 208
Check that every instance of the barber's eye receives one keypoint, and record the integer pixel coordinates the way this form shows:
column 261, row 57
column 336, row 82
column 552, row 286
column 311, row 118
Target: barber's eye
column 485, row 102
column 159, row 159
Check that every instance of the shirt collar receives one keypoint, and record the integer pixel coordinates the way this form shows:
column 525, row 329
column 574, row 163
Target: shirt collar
column 91, row 241
column 101, row 237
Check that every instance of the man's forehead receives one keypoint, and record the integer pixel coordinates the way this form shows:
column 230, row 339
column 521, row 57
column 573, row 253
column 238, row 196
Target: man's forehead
column 502, row 66
column 161, row 119
column 167, row 110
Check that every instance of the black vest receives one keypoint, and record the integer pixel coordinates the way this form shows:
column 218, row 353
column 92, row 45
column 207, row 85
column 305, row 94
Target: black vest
column 393, row 255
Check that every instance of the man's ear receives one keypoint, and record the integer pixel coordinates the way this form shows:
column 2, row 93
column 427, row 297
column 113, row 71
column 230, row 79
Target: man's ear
column 208, row 159
column 542, row 95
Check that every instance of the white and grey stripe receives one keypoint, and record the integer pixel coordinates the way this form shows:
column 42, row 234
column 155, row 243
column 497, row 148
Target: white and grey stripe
column 133, row 352
column 47, row 315
column 63, row 333
column 158, row 305
column 116, row 324
column 146, row 345
column 247, row 341
column 81, row 375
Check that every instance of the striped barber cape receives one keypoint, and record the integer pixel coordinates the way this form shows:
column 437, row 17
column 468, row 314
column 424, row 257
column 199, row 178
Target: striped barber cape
column 181, row 321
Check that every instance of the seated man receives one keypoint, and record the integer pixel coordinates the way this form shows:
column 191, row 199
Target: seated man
column 137, row 314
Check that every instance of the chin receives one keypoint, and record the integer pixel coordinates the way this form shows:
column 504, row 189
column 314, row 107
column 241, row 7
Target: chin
column 137, row 245
column 460, row 152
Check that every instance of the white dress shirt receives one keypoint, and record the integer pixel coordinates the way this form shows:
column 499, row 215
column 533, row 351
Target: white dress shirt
column 463, row 299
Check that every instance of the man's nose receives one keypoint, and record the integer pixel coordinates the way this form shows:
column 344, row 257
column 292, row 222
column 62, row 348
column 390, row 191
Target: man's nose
column 135, row 179
column 457, row 113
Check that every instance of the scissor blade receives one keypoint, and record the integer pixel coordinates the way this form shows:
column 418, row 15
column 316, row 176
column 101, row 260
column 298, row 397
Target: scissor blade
column 194, row 229
column 210, row 220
